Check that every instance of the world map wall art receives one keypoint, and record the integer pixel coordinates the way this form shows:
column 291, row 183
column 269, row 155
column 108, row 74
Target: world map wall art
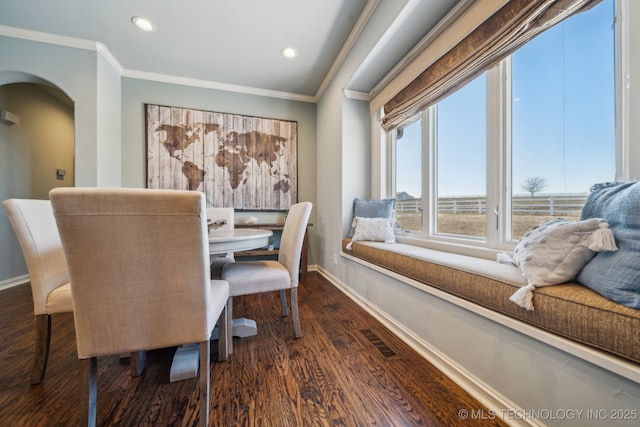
column 244, row 162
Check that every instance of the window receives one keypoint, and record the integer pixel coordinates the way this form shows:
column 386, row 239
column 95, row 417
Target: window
column 460, row 131
column 408, row 154
column 563, row 120
column 521, row 143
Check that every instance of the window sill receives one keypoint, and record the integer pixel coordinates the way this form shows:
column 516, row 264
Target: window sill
column 457, row 248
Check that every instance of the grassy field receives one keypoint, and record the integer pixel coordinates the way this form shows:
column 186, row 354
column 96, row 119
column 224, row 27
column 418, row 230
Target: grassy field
column 473, row 224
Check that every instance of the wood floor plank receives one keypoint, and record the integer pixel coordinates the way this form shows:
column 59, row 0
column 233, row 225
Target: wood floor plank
column 347, row 370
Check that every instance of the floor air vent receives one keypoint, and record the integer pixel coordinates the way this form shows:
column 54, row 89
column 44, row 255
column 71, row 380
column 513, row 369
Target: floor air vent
column 377, row 342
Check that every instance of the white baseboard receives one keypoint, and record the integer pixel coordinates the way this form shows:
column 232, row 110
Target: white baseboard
column 14, row 281
column 494, row 401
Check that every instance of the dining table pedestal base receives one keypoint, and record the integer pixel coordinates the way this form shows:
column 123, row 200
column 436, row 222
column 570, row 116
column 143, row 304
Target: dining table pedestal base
column 241, row 328
column 185, row 363
column 186, row 360
column 187, row 357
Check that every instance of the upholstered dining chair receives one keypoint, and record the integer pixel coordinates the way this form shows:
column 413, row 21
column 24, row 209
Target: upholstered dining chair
column 220, row 219
column 35, row 227
column 138, row 262
column 252, row 277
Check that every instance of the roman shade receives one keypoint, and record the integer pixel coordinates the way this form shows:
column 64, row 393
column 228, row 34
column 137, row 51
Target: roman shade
column 511, row 26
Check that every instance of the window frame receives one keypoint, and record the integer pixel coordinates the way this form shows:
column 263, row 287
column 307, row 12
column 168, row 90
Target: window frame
column 498, row 155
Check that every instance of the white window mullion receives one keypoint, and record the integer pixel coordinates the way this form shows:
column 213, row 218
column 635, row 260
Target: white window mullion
column 430, row 169
column 382, row 164
column 506, row 181
column 623, row 93
column 495, row 214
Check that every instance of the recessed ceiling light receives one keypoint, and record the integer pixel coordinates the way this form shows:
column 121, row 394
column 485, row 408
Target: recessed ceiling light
column 143, row 23
column 289, row 52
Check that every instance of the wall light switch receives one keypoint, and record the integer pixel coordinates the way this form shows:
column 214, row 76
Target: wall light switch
column 60, row 173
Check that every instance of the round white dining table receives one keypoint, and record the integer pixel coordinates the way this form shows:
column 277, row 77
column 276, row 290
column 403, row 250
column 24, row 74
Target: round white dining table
column 237, row 239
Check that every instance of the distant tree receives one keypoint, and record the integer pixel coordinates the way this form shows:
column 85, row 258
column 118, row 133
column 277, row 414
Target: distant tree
column 534, row 185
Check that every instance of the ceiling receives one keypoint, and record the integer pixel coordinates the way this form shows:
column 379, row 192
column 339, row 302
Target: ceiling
column 229, row 42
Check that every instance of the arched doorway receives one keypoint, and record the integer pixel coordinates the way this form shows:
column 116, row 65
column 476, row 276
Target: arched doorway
column 36, row 155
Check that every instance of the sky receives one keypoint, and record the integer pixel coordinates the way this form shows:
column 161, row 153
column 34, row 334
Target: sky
column 563, row 128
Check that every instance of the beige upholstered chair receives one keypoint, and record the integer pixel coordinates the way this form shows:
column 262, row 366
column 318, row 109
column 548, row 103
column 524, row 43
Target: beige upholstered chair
column 35, row 226
column 252, row 277
column 220, row 219
column 139, row 268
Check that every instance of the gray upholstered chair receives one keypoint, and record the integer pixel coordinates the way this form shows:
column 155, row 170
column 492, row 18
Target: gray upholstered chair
column 252, row 277
column 220, row 219
column 139, row 267
column 35, row 227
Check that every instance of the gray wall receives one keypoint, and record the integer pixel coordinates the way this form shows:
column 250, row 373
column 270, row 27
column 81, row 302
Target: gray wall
column 108, row 125
column 137, row 92
column 94, row 88
column 72, row 70
column 496, row 361
column 109, row 119
column 343, row 143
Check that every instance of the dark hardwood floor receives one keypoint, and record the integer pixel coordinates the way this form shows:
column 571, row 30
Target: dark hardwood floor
column 347, row 370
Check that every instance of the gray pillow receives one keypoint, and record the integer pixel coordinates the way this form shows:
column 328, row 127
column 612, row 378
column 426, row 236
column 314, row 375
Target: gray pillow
column 616, row 275
column 383, row 208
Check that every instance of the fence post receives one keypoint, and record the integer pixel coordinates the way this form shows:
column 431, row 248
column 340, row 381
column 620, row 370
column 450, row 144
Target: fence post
column 551, row 207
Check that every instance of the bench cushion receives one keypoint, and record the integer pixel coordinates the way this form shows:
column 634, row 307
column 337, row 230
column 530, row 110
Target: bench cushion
column 569, row 310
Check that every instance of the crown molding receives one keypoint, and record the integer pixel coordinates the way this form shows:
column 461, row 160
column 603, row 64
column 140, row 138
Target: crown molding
column 108, row 56
column 356, row 94
column 358, row 28
column 208, row 84
column 21, row 33
column 101, row 49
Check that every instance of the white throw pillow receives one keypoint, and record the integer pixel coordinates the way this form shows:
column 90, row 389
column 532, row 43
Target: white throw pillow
column 555, row 251
column 373, row 230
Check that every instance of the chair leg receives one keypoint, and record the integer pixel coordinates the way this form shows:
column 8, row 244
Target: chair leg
column 138, row 361
column 229, row 311
column 297, row 329
column 43, row 342
column 205, row 359
column 283, row 303
column 89, row 394
column 223, row 335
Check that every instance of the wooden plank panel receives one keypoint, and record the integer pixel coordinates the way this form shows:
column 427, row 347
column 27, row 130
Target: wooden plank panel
column 153, row 146
column 246, row 162
column 208, row 153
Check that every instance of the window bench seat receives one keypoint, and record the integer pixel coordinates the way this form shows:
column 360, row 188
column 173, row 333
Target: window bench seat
column 570, row 310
